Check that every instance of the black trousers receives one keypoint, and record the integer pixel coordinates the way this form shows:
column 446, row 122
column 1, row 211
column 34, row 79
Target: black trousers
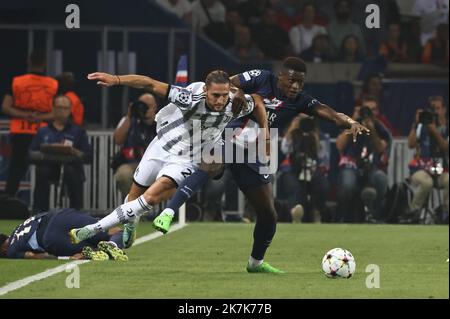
column 47, row 174
column 18, row 164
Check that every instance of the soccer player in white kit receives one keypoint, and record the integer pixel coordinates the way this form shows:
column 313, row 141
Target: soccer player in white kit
column 168, row 159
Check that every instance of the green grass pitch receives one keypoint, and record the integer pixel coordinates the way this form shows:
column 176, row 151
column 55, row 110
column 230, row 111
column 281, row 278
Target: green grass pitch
column 207, row 260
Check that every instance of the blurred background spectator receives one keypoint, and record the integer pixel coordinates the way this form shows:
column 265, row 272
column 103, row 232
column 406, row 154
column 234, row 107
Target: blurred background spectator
column 302, row 34
column 244, row 49
column 350, row 51
column 320, row 51
column 394, row 48
column 66, row 83
column 271, row 39
column 431, row 13
column 436, row 49
column 342, row 25
column 208, row 14
column 253, row 11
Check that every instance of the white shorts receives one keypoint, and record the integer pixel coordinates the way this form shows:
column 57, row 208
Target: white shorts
column 157, row 162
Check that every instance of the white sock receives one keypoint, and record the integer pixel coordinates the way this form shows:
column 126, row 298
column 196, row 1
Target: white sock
column 127, row 212
column 136, row 220
column 168, row 211
column 254, row 262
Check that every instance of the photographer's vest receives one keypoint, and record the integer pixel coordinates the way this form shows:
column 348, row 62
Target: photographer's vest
column 32, row 92
column 428, row 155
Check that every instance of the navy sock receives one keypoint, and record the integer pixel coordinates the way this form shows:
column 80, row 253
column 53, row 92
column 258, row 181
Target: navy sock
column 262, row 237
column 188, row 188
column 117, row 238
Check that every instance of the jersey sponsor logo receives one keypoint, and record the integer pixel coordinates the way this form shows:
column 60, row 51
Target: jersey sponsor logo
column 272, row 103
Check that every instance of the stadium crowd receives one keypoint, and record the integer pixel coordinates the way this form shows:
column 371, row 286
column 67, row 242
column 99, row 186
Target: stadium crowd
column 319, row 31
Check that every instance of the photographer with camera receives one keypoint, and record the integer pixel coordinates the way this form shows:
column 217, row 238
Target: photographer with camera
column 306, row 181
column 363, row 167
column 429, row 168
column 133, row 133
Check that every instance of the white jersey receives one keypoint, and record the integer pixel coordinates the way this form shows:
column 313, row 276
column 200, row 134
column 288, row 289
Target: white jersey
column 187, row 118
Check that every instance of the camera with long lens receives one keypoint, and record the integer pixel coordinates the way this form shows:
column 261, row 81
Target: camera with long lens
column 305, row 149
column 365, row 113
column 139, row 110
column 427, row 117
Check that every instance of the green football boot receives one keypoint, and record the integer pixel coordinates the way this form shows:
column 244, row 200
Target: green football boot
column 129, row 234
column 96, row 255
column 112, row 251
column 162, row 222
column 77, row 235
column 264, row 268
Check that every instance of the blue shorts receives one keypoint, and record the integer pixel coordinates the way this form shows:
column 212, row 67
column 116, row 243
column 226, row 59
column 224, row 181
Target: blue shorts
column 55, row 239
column 247, row 175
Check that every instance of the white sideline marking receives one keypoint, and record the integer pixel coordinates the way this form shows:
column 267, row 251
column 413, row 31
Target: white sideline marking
column 53, row 271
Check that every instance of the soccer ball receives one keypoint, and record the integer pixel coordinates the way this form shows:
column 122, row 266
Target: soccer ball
column 338, row 263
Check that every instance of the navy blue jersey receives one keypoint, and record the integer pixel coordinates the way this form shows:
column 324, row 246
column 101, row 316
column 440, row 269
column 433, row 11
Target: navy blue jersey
column 280, row 109
column 23, row 238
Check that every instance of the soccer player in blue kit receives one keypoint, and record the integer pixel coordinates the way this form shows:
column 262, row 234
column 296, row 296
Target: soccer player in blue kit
column 44, row 236
column 284, row 99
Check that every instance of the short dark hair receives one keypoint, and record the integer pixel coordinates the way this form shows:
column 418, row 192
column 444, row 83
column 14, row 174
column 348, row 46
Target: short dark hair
column 437, row 98
column 369, row 77
column 294, row 63
column 3, row 238
column 338, row 2
column 308, row 4
column 59, row 96
column 66, row 82
column 38, row 58
column 218, row 77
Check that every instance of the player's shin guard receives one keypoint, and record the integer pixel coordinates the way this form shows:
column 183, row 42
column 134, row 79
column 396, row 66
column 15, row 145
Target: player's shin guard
column 188, row 188
column 262, row 237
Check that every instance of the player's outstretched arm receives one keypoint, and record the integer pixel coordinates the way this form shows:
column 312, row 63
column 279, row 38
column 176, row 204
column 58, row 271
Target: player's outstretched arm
column 341, row 120
column 136, row 81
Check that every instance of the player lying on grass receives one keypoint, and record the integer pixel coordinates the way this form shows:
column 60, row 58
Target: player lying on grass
column 44, row 236
column 205, row 107
column 284, row 99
